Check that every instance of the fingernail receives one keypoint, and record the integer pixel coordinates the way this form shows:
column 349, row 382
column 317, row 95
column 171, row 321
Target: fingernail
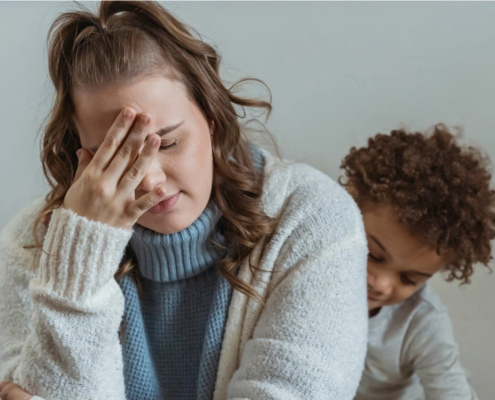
column 128, row 113
column 145, row 118
column 150, row 139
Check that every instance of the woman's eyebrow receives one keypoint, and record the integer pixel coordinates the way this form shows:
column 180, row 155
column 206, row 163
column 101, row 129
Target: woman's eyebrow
column 167, row 129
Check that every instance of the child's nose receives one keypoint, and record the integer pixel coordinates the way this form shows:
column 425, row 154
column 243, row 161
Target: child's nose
column 381, row 284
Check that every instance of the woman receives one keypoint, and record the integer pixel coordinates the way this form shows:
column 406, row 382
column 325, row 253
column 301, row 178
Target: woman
column 177, row 260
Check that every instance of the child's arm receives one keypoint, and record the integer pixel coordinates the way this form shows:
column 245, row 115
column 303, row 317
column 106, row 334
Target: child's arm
column 434, row 355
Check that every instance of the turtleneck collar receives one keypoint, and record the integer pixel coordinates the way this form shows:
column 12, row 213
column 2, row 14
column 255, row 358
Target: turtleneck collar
column 168, row 258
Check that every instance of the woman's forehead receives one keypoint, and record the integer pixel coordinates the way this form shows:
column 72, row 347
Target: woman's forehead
column 144, row 94
column 96, row 110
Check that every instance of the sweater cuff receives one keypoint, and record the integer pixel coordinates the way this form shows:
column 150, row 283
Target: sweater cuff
column 82, row 254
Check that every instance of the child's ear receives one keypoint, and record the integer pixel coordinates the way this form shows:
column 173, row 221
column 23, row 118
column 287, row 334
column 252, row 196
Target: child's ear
column 352, row 191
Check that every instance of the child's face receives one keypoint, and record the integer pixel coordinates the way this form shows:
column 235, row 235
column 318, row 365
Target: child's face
column 398, row 262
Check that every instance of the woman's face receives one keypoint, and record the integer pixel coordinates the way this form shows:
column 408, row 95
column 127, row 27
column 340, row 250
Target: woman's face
column 184, row 163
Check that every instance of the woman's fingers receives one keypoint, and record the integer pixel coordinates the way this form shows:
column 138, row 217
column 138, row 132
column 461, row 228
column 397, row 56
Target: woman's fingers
column 138, row 170
column 97, row 192
column 10, row 391
column 147, row 201
column 126, row 154
column 84, row 157
column 114, row 138
column 5, row 388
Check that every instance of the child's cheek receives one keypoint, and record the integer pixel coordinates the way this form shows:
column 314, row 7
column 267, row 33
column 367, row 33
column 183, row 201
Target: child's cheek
column 404, row 292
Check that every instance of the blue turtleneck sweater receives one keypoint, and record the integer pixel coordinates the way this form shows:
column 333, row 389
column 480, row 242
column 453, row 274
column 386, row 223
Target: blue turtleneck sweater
column 173, row 334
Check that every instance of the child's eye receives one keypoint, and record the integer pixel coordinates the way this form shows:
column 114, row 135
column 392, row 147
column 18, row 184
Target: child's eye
column 406, row 280
column 168, row 146
column 373, row 258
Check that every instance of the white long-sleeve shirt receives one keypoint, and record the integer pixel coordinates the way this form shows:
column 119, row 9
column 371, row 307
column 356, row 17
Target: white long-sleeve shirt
column 59, row 321
column 412, row 354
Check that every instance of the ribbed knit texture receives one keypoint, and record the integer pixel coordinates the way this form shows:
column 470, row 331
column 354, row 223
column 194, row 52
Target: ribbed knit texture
column 173, row 335
column 169, row 258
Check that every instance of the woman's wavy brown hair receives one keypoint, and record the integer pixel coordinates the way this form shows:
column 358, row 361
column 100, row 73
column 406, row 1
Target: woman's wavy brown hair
column 437, row 188
column 127, row 41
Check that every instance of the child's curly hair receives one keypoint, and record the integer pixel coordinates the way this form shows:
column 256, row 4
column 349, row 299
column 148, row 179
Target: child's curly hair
column 438, row 188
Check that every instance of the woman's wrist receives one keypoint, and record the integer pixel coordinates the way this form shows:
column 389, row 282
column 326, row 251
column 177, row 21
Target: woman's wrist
column 82, row 254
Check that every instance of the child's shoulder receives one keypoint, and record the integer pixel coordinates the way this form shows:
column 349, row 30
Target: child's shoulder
column 425, row 311
column 420, row 312
column 425, row 301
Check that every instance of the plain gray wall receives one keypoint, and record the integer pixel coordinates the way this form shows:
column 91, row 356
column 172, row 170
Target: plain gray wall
column 338, row 72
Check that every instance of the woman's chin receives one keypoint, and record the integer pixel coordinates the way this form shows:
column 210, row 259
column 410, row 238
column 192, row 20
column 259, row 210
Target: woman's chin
column 167, row 223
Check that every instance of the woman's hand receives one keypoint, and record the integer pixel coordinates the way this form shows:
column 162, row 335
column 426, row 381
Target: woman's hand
column 104, row 185
column 10, row 391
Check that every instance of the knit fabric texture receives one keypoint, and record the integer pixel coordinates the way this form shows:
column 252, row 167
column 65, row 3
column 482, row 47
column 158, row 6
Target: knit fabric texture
column 61, row 309
column 173, row 335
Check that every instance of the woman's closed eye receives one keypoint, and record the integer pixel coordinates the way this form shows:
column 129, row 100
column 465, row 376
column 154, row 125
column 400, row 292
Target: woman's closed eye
column 168, row 146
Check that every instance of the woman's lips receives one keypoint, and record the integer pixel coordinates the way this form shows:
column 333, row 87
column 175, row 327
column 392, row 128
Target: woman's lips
column 166, row 204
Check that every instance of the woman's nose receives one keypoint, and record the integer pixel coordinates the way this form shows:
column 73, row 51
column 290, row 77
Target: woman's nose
column 154, row 176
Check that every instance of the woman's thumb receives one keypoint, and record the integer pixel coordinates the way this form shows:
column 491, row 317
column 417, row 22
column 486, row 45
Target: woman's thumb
column 79, row 155
column 83, row 157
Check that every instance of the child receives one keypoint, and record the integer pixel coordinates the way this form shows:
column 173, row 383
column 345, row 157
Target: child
column 427, row 207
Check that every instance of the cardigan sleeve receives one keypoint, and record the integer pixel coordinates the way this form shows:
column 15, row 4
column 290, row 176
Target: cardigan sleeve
column 60, row 323
column 310, row 339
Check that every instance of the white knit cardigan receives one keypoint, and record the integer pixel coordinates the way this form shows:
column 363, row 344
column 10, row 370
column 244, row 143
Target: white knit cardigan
column 60, row 314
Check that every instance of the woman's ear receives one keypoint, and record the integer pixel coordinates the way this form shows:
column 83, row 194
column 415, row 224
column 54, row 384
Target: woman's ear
column 212, row 127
